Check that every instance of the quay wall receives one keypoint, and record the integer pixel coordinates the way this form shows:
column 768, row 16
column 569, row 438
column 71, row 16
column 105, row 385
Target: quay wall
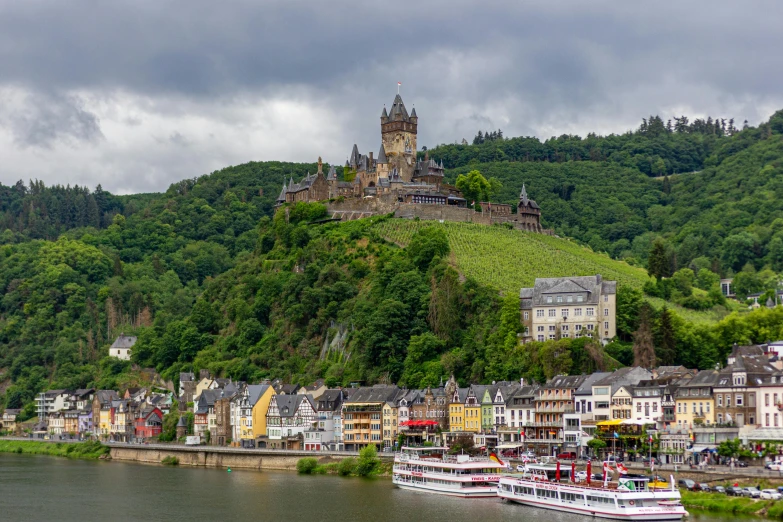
column 221, row 457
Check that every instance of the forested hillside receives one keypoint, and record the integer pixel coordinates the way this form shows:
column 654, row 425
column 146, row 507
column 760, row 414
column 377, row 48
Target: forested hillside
column 599, row 190
column 207, row 277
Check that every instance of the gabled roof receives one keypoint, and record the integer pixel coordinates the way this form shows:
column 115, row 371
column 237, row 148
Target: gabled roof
column 288, row 405
column 592, row 285
column 377, row 393
column 123, row 341
column 586, row 388
column 565, row 286
column 565, row 381
column 254, row 392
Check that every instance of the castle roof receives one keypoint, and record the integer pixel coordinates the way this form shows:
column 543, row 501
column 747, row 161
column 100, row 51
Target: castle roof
column 354, row 159
column 524, row 201
column 398, row 110
column 384, row 114
column 413, row 113
column 332, row 174
column 281, row 197
column 382, row 152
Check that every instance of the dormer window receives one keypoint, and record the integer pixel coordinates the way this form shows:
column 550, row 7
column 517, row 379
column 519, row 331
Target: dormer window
column 549, row 299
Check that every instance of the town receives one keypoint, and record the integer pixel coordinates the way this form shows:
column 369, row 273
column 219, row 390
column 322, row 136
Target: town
column 676, row 414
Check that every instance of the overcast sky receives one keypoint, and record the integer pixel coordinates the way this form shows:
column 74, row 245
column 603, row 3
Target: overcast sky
column 136, row 95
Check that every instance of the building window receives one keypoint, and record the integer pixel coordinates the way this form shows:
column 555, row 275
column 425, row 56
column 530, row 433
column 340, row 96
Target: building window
column 578, row 311
column 606, row 325
column 541, row 338
column 564, row 312
column 551, row 336
column 590, row 312
column 578, row 327
column 549, row 299
column 728, row 401
column 739, row 400
column 570, row 299
column 540, row 328
column 606, row 299
column 579, row 298
column 590, row 326
column 766, row 419
column 720, row 401
column 560, row 299
column 553, row 312
column 539, row 313
column 565, row 328
column 606, row 311
column 527, row 316
column 552, row 328
column 776, row 420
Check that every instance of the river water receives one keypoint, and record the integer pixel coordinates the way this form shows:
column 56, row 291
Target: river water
column 57, row 489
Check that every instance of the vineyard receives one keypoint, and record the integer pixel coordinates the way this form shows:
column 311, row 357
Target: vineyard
column 510, row 259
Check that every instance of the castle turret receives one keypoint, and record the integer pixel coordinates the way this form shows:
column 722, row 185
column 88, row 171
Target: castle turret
column 281, row 197
column 398, row 133
column 384, row 116
column 528, row 212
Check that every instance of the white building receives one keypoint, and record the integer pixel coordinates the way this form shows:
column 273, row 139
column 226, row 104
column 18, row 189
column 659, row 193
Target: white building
column 121, row 348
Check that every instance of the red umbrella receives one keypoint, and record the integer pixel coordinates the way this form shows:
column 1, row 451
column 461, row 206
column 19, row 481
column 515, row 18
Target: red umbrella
column 573, row 471
column 589, row 471
column 557, row 472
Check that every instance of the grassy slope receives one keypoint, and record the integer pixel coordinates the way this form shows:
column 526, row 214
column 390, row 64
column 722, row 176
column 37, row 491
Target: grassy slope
column 77, row 450
column 510, row 259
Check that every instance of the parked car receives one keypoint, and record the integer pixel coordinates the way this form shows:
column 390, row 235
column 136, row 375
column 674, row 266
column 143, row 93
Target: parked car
column 719, row 489
column 598, row 476
column 705, row 487
column 741, row 464
column 530, row 454
column 734, row 491
column 581, row 476
column 686, row 483
column 520, row 468
column 751, row 491
column 774, row 466
column 568, row 455
column 780, row 490
column 769, row 494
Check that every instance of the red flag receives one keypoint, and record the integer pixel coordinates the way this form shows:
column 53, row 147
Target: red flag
column 557, row 472
column 573, row 471
column 621, row 468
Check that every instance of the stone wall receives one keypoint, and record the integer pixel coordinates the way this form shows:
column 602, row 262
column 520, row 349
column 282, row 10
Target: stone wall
column 216, row 457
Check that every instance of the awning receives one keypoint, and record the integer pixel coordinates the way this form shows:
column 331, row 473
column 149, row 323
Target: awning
column 632, row 422
column 510, row 445
column 613, row 422
column 700, row 448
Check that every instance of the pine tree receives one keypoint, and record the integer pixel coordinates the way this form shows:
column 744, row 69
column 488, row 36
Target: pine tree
column 667, row 185
column 658, row 264
column 643, row 348
column 666, row 352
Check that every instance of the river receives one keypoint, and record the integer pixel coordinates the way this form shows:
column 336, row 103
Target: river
column 57, row 489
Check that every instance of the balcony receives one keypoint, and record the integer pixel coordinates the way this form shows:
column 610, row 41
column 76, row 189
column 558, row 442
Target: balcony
column 555, row 409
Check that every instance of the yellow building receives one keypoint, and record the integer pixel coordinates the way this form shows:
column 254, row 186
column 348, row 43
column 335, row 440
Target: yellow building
column 472, row 422
column 259, row 397
column 457, row 410
column 390, row 426
column 695, row 400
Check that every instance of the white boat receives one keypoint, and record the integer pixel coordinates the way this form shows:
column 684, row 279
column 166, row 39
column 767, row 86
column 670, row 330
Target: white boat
column 434, row 471
column 630, row 498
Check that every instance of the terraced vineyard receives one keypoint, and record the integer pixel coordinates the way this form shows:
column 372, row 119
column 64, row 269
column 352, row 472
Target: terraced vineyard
column 510, row 259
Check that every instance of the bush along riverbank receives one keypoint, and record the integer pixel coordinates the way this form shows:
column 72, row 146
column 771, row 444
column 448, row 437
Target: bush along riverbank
column 76, row 450
column 721, row 503
column 367, row 465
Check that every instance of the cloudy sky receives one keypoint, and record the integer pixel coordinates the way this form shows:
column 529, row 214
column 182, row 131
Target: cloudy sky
column 137, row 94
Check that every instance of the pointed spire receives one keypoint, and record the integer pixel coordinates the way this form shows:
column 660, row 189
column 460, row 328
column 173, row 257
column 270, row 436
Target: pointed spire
column 332, row 175
column 413, row 112
column 382, row 155
column 281, row 197
column 384, row 114
column 523, row 195
column 441, row 164
column 398, row 110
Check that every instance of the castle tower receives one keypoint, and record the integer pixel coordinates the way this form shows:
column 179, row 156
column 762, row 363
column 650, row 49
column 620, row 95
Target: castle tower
column 528, row 212
column 398, row 137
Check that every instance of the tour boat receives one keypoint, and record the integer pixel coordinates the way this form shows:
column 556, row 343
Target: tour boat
column 630, row 498
column 434, row 471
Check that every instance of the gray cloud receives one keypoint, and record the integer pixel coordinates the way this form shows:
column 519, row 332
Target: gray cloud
column 41, row 119
column 90, row 86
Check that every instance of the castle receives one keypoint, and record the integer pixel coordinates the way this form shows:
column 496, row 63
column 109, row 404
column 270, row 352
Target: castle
column 396, row 181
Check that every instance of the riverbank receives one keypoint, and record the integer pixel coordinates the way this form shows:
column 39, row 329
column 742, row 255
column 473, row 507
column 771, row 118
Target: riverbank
column 82, row 450
column 721, row 503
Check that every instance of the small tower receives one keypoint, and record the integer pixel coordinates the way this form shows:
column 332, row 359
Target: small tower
column 528, row 212
column 398, row 135
column 182, row 427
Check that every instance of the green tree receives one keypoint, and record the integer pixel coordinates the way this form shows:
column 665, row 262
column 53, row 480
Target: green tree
column 658, row 261
column 368, row 461
column 426, row 245
column 643, row 348
column 667, row 349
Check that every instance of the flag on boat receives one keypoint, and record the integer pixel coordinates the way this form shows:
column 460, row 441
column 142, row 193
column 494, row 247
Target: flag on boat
column 622, row 469
column 495, row 458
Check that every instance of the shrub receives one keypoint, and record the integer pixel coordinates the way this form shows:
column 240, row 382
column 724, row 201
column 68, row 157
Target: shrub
column 368, row 461
column 346, row 467
column 170, row 461
column 306, row 465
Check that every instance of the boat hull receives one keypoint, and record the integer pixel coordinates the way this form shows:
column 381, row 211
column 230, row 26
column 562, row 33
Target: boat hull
column 594, row 512
column 424, row 488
